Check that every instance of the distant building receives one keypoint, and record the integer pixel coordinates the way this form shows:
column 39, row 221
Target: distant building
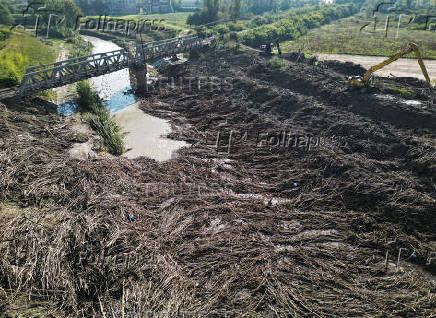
column 158, row 6
column 122, row 6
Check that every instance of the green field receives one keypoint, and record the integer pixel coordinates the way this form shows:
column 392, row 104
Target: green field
column 177, row 19
column 344, row 36
column 19, row 51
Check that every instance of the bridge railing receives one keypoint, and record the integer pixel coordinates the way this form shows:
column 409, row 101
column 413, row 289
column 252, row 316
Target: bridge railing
column 71, row 61
column 68, row 73
column 152, row 50
column 38, row 78
column 180, row 38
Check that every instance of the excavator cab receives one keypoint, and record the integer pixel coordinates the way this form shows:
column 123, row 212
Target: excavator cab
column 367, row 78
column 356, row 80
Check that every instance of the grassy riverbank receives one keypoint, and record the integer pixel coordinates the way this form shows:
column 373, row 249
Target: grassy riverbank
column 18, row 51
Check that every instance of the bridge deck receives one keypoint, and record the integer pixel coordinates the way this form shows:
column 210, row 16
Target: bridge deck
column 42, row 77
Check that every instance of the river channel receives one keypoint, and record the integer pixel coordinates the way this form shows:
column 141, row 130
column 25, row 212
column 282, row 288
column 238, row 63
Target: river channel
column 145, row 134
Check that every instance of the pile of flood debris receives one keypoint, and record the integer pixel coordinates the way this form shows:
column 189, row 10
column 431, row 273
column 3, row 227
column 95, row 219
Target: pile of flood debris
column 294, row 200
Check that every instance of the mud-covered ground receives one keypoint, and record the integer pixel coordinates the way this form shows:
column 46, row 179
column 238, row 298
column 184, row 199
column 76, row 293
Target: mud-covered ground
column 296, row 187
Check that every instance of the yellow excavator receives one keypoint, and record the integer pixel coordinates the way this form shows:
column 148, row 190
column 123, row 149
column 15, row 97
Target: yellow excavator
column 358, row 80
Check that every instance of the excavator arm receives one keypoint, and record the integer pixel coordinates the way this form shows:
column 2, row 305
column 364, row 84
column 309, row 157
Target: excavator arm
column 411, row 47
column 375, row 68
column 420, row 62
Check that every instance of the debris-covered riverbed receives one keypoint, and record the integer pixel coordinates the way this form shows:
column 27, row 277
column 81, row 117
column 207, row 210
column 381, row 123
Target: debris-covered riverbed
column 294, row 189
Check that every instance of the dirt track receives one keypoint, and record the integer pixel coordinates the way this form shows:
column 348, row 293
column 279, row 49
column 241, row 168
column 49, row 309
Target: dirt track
column 400, row 68
column 271, row 227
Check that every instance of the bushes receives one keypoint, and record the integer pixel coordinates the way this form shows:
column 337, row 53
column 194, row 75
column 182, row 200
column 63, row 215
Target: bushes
column 4, row 34
column 100, row 118
column 103, row 123
column 298, row 23
column 88, row 100
column 10, row 73
column 276, row 63
column 79, row 47
column 236, row 26
column 221, row 29
column 204, row 32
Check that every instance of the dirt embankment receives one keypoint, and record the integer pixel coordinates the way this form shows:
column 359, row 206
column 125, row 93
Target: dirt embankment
column 268, row 227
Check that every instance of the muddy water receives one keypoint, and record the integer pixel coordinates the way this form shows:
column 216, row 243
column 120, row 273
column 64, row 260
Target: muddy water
column 145, row 134
column 399, row 68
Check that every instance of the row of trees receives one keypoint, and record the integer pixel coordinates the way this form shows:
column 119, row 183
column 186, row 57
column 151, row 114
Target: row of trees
column 233, row 9
column 261, row 6
column 298, row 23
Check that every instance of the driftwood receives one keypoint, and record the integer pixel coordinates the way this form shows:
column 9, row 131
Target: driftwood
column 274, row 231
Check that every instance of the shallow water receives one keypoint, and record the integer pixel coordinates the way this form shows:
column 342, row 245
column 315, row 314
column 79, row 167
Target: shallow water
column 112, row 88
column 112, row 85
column 145, row 134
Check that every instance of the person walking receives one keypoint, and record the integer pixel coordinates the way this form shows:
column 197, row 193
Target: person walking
column 278, row 48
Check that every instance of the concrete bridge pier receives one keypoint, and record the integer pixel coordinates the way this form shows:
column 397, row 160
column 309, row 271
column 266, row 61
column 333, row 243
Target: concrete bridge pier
column 138, row 76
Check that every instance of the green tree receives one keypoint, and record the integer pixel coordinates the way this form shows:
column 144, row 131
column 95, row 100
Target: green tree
column 93, row 7
column 298, row 22
column 285, row 4
column 61, row 8
column 212, row 8
column 208, row 14
column 235, row 9
column 177, row 4
column 5, row 15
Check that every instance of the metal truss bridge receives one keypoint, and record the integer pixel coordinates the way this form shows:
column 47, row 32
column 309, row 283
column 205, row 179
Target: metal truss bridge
column 42, row 77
